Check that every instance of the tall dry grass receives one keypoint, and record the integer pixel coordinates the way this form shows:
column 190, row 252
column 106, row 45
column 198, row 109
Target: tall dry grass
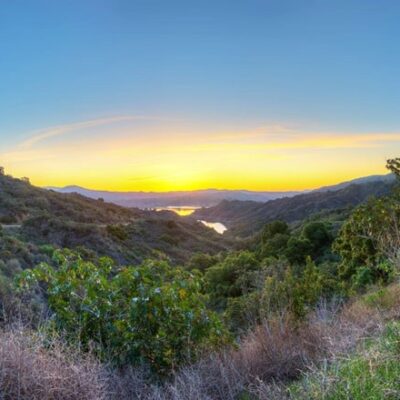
column 33, row 367
column 276, row 351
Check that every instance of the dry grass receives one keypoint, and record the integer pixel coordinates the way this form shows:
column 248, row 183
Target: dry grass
column 31, row 369
column 359, row 319
column 279, row 351
column 274, row 353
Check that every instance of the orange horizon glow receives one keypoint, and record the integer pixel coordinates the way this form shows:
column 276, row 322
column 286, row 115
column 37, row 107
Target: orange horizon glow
column 168, row 155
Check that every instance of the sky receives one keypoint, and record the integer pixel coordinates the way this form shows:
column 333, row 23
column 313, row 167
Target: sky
column 182, row 95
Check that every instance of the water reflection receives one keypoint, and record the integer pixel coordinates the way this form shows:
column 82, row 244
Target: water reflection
column 184, row 211
column 217, row 226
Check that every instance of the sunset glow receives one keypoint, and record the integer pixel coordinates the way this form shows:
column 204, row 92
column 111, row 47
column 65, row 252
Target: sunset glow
column 259, row 95
column 126, row 154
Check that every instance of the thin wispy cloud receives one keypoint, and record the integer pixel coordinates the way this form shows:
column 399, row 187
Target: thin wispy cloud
column 272, row 137
column 60, row 130
column 179, row 154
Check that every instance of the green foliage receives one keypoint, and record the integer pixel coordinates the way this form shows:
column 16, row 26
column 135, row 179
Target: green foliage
column 117, row 231
column 319, row 236
column 362, row 277
column 150, row 313
column 372, row 374
column 202, row 261
column 296, row 293
column 235, row 276
column 312, row 239
column 297, row 250
column 244, row 311
column 369, row 240
column 274, row 228
column 274, row 239
column 47, row 249
column 393, row 165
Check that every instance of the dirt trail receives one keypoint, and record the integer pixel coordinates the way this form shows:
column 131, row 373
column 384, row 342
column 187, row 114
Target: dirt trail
column 11, row 226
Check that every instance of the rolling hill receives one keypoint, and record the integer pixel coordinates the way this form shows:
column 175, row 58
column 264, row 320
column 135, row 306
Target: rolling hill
column 34, row 217
column 244, row 218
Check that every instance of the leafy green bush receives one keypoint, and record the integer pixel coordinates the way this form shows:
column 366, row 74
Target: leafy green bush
column 370, row 240
column 150, row 313
column 294, row 292
column 201, row 261
column 297, row 250
column 274, row 239
column 117, row 231
column 236, row 275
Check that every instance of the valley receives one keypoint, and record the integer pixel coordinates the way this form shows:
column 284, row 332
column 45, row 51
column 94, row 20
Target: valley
column 119, row 276
column 199, row 200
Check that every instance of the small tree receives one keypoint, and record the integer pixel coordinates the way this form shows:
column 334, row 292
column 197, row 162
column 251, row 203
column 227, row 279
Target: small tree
column 393, row 165
column 370, row 237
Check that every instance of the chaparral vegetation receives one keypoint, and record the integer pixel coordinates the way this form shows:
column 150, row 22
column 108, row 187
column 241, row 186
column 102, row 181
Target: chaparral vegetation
column 104, row 302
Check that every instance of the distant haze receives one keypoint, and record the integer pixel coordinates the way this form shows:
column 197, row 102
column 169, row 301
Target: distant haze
column 197, row 198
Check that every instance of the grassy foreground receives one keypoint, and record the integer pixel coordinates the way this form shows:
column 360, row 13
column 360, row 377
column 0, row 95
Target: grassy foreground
column 349, row 351
column 372, row 373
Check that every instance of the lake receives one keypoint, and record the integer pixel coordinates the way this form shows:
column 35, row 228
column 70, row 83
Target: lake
column 185, row 211
column 217, row 226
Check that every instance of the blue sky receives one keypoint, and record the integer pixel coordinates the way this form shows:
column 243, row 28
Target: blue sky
column 314, row 66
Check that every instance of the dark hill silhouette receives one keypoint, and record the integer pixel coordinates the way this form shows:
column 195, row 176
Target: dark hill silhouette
column 244, row 218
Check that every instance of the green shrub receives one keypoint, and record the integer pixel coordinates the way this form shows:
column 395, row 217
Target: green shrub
column 297, row 250
column 236, row 275
column 369, row 240
column 117, row 231
column 47, row 249
column 296, row 293
column 201, row 261
column 150, row 313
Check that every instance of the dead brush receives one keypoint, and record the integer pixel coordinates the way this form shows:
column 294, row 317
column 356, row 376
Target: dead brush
column 31, row 369
column 278, row 350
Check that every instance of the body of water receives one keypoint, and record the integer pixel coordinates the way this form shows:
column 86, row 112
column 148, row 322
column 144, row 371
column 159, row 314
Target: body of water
column 185, row 211
column 217, row 226
column 182, row 211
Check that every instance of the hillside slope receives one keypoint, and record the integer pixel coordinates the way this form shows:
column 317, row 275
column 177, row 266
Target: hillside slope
column 37, row 217
column 245, row 218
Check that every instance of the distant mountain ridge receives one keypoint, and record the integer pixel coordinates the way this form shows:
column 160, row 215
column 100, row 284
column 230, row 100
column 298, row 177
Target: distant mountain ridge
column 366, row 179
column 244, row 218
column 195, row 198
column 128, row 235
column 201, row 198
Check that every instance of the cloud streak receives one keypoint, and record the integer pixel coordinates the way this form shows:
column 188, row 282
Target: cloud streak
column 60, row 130
column 126, row 155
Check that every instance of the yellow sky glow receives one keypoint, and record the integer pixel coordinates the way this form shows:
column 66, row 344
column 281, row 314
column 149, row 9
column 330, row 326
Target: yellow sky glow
column 167, row 156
